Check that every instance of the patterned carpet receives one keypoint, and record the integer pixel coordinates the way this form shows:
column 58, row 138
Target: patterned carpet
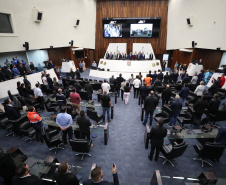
column 125, row 148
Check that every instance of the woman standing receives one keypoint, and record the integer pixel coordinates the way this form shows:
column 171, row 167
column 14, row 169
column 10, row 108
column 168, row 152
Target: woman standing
column 83, row 66
column 127, row 93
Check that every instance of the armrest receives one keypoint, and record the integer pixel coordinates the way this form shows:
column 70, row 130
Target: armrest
column 53, row 132
column 182, row 115
column 198, row 146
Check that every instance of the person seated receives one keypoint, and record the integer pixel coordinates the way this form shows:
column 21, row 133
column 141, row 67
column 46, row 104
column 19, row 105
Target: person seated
column 24, row 90
column 94, row 65
column 97, row 177
column 16, row 72
column 24, row 177
column 26, row 81
column 64, row 177
column 2, row 75
column 32, row 67
column 11, row 112
column 21, row 69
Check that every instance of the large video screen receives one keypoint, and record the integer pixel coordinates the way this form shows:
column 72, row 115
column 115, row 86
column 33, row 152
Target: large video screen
column 129, row 27
column 141, row 30
column 112, row 30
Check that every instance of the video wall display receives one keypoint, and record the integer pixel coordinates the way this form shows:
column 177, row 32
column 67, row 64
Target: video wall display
column 131, row 27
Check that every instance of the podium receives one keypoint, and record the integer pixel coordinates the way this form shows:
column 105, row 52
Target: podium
column 66, row 66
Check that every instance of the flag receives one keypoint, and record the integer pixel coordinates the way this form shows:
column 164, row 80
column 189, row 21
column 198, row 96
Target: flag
column 117, row 49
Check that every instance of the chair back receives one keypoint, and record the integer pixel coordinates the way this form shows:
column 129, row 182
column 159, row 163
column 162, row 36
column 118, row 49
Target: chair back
column 89, row 110
column 93, row 115
column 164, row 114
column 84, row 95
column 167, row 109
column 178, row 150
column 80, row 145
column 46, row 136
column 212, row 150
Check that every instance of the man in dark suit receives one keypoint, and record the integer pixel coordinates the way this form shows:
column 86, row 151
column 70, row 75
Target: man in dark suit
column 157, row 83
column 11, row 112
column 26, row 82
column 154, row 76
column 160, row 76
column 163, row 65
column 24, row 177
column 84, row 125
column 2, row 75
column 214, row 104
column 50, row 82
column 21, row 69
column 64, row 177
column 186, row 79
column 150, row 104
column 78, row 75
column 9, row 73
column 176, row 107
column 144, row 91
column 107, row 55
column 184, row 93
column 97, row 177
column 213, row 89
column 88, row 87
column 221, row 136
column 157, row 135
column 78, row 86
column 130, row 57
column 166, row 94
column 199, row 108
column 118, row 82
column 166, row 78
column 151, row 56
column 111, row 56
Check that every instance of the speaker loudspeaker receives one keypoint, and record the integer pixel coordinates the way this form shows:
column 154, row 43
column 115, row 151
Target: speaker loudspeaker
column 26, row 45
column 218, row 49
column 194, row 44
column 72, row 42
column 76, row 22
column 190, row 21
column 37, row 15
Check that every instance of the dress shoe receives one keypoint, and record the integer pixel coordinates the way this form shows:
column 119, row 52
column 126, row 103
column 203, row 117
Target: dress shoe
column 169, row 125
column 143, row 123
column 149, row 158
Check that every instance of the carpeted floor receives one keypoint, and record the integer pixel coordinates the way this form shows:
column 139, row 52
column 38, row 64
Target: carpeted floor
column 125, row 148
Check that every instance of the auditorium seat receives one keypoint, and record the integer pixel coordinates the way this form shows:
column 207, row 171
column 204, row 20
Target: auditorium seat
column 82, row 146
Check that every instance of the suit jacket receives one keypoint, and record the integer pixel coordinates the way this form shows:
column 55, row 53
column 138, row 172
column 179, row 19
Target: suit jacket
column 107, row 56
column 150, row 103
column 9, row 73
column 186, row 80
column 50, row 81
column 112, row 81
column 213, row 89
column 184, row 92
column 154, row 76
column 221, row 136
column 176, row 107
column 84, row 124
column 111, row 56
column 21, row 69
column 200, row 106
column 166, row 94
column 144, row 91
column 12, row 113
column 88, row 87
column 119, row 80
column 151, row 57
column 130, row 57
column 66, row 179
column 157, row 135
column 160, row 76
column 213, row 106
column 77, row 73
column 2, row 76
column 26, row 82
column 27, row 180
column 78, row 87
column 115, row 179
column 157, row 83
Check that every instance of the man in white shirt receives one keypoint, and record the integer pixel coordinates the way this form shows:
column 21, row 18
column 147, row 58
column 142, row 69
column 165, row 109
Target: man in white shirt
column 38, row 94
column 44, row 80
column 136, row 84
column 105, row 86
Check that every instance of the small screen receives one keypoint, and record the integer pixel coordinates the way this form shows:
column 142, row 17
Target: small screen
column 141, row 30
column 112, row 30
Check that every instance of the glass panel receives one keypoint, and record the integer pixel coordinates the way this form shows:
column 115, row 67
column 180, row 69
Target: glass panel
column 5, row 24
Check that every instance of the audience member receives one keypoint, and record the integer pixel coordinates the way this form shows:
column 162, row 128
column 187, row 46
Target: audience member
column 222, row 81
column 64, row 120
column 26, row 82
column 201, row 76
column 199, row 108
column 207, row 75
column 39, row 95
column 27, row 69
column 166, row 78
column 184, row 93
column 154, row 76
column 166, row 94
column 186, row 79
column 63, row 176
column 112, row 81
column 119, row 80
column 2, row 75
column 105, row 86
column 214, row 105
column 11, row 112
column 150, row 104
column 80, row 66
column 123, row 84
column 78, row 86
column 157, row 83
column 194, row 79
column 160, row 76
column 176, row 107
column 137, row 84
column 50, row 82
column 84, row 125
column 106, row 105
column 200, row 89
column 44, row 80
column 144, row 91
column 21, row 70
column 36, row 122
column 75, row 99
column 147, row 79
column 16, row 72
column 97, row 177
column 127, row 91
column 221, row 136
column 24, row 177
column 157, row 135
column 88, row 87
column 213, row 88
column 131, row 81
column 78, row 75
column 72, row 74
column 32, row 67
column 61, row 98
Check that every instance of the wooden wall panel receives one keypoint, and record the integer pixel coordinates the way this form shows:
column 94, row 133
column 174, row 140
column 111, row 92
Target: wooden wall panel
column 211, row 58
column 128, row 8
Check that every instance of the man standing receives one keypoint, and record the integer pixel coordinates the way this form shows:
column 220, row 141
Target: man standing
column 21, row 69
column 105, row 86
column 214, row 104
column 112, row 81
column 144, row 91
column 36, row 122
column 131, row 81
column 150, row 104
column 151, row 56
column 24, row 177
column 107, row 55
column 75, row 99
column 119, row 80
column 64, row 120
column 38, row 94
column 60, row 98
column 97, row 177
column 26, row 82
column 199, row 108
column 65, row 177
column 106, row 105
column 184, row 93
column 78, row 75
column 166, row 94
column 88, row 87
column 222, row 81
column 157, row 135
column 50, row 82
column 84, row 125
column 147, row 79
column 137, row 84
column 9, row 73
column 176, row 107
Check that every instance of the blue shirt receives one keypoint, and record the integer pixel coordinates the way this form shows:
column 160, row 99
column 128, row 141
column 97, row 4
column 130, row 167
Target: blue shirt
column 64, row 119
column 15, row 71
column 80, row 64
